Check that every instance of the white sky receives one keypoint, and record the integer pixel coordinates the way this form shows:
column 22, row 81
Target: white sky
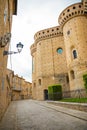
column 32, row 16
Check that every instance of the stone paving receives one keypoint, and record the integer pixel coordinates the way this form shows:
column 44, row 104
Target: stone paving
column 37, row 115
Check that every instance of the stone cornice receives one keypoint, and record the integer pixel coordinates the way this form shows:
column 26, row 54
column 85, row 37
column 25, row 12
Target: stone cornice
column 70, row 12
column 48, row 33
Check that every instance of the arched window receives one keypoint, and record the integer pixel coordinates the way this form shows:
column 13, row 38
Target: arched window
column 72, row 74
column 74, row 54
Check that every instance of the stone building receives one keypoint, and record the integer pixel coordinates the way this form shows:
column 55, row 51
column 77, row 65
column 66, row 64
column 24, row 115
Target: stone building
column 16, row 87
column 21, row 89
column 26, row 92
column 59, row 53
column 7, row 9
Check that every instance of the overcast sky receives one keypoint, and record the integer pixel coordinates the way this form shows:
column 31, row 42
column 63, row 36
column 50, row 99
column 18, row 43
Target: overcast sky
column 32, row 16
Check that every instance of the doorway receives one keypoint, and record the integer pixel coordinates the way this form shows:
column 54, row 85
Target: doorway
column 45, row 94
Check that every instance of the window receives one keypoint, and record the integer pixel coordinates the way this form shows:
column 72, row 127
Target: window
column 57, row 29
column 5, row 14
column 74, row 54
column 68, row 32
column 72, row 74
column 72, row 13
column 68, row 10
column 74, row 7
column 79, row 6
column 63, row 13
column 67, row 79
column 59, row 50
column 39, row 81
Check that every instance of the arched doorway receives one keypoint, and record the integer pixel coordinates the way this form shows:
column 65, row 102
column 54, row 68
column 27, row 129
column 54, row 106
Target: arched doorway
column 45, row 94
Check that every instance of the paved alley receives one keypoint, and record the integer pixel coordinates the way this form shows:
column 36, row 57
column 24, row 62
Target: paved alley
column 37, row 115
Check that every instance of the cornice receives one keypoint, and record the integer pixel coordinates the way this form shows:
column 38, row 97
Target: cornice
column 70, row 12
column 48, row 33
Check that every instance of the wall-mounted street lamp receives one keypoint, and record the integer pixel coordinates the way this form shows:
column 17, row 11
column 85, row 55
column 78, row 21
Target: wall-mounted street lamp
column 19, row 48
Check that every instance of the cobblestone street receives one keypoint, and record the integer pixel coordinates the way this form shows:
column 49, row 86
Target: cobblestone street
column 37, row 115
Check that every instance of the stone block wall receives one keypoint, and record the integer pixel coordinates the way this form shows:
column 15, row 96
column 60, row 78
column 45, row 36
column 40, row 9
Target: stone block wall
column 59, row 53
column 6, row 12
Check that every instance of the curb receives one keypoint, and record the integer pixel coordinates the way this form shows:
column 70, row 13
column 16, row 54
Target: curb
column 76, row 106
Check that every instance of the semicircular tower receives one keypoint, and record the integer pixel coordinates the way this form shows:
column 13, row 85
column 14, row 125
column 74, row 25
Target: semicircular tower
column 74, row 22
column 49, row 61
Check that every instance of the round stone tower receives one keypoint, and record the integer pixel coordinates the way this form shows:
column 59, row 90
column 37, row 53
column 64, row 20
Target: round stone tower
column 59, row 54
column 73, row 20
column 49, row 62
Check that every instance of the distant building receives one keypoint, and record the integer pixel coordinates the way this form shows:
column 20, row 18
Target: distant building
column 21, row 89
column 26, row 92
column 16, row 87
column 59, row 54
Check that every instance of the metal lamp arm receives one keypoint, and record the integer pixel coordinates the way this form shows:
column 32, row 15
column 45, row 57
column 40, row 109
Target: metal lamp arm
column 9, row 52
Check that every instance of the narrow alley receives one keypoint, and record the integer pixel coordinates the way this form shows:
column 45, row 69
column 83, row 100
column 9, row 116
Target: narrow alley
column 38, row 115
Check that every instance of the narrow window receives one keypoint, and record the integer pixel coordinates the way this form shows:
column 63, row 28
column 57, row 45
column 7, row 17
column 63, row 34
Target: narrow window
column 72, row 74
column 79, row 6
column 74, row 54
column 68, row 32
column 39, row 81
column 67, row 79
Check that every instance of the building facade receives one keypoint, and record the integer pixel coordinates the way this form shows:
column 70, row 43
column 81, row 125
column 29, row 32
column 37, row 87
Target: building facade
column 7, row 9
column 26, row 92
column 9, row 84
column 59, row 53
column 16, row 87
column 21, row 89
